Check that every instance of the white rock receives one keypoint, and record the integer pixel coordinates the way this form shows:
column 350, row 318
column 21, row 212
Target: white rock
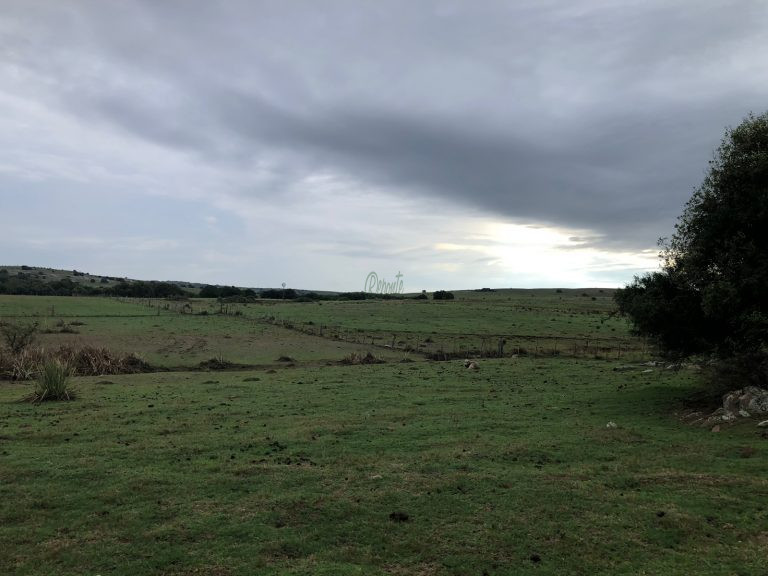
column 611, row 425
column 763, row 424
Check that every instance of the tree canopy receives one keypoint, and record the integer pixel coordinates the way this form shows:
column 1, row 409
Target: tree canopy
column 711, row 294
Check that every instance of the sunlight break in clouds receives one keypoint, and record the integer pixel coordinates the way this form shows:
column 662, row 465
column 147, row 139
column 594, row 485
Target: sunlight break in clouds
column 530, row 256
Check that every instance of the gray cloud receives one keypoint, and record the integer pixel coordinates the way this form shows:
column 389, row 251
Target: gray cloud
column 596, row 115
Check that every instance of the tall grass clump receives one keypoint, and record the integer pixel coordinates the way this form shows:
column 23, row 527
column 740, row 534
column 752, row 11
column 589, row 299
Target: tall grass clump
column 52, row 382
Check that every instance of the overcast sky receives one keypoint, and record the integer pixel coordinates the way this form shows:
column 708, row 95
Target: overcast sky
column 463, row 144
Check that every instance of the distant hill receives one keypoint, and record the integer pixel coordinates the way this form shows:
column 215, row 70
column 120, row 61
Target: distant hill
column 49, row 281
column 36, row 280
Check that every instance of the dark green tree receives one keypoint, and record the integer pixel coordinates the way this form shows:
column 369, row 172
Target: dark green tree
column 711, row 295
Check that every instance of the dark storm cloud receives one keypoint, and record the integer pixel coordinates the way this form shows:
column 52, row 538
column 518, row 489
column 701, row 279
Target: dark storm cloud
column 591, row 115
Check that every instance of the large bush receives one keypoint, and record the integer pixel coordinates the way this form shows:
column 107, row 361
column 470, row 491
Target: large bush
column 710, row 295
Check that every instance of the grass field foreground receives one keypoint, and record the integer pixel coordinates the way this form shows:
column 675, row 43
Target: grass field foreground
column 406, row 467
column 387, row 469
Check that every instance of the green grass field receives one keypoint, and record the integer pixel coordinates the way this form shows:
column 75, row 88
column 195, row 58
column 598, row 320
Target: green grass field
column 571, row 322
column 398, row 468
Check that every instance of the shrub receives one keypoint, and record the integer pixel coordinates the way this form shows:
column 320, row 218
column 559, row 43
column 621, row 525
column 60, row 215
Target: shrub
column 357, row 358
column 217, row 363
column 442, row 295
column 18, row 336
column 52, row 382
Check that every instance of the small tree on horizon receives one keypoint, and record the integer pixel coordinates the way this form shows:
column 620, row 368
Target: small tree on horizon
column 442, row 295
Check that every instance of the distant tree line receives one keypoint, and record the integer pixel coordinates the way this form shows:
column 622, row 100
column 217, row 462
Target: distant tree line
column 226, row 292
column 142, row 289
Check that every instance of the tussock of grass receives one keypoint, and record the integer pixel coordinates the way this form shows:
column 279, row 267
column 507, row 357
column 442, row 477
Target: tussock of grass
column 52, row 382
column 20, row 366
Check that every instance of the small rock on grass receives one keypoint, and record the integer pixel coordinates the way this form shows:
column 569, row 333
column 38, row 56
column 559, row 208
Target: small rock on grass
column 611, row 425
column 763, row 424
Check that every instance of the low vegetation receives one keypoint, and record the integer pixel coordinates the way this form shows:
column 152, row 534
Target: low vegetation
column 81, row 361
column 358, row 358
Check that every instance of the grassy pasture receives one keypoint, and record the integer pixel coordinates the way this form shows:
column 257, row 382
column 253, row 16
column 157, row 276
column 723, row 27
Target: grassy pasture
column 167, row 339
column 398, row 468
column 529, row 313
column 171, row 340
column 571, row 322
column 55, row 307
